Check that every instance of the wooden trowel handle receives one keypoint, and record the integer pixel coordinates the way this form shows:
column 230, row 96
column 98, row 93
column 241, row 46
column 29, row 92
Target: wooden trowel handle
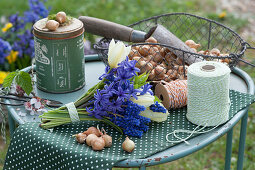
column 111, row 30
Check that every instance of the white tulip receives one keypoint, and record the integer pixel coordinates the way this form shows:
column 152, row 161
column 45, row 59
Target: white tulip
column 117, row 53
column 145, row 100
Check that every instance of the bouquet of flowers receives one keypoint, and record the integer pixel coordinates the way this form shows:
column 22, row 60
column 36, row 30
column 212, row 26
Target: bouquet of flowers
column 16, row 38
column 122, row 98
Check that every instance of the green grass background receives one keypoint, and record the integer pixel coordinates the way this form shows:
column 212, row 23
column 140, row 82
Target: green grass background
column 129, row 11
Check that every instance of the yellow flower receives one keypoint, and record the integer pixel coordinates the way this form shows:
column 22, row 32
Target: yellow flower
column 222, row 14
column 12, row 57
column 3, row 74
column 117, row 53
column 7, row 27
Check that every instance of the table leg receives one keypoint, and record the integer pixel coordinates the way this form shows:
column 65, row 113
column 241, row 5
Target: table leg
column 142, row 167
column 228, row 149
column 11, row 124
column 242, row 141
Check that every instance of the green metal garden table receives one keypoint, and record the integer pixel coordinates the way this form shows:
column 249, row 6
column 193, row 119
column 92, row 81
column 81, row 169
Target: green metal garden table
column 240, row 81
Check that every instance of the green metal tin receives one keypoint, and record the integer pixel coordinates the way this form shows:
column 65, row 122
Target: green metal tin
column 59, row 57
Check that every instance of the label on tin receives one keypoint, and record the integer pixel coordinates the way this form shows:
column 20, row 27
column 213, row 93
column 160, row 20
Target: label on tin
column 59, row 64
column 41, row 52
column 61, row 70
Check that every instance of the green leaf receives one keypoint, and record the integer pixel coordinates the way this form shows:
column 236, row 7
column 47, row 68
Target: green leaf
column 9, row 79
column 136, row 86
column 136, row 79
column 156, row 99
column 142, row 80
column 23, row 79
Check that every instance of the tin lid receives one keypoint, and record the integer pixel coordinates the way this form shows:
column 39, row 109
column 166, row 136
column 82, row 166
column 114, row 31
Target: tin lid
column 75, row 28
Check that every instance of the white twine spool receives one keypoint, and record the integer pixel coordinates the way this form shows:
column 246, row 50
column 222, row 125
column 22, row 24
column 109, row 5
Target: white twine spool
column 208, row 98
column 208, row 93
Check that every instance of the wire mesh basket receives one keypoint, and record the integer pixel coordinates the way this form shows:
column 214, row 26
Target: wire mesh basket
column 216, row 42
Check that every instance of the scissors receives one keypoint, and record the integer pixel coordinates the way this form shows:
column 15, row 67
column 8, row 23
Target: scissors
column 23, row 99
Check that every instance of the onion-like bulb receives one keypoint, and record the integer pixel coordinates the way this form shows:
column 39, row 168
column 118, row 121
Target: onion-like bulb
column 98, row 144
column 52, row 25
column 107, row 139
column 192, row 44
column 61, row 17
column 93, row 130
column 215, row 52
column 81, row 138
column 128, row 145
column 90, row 138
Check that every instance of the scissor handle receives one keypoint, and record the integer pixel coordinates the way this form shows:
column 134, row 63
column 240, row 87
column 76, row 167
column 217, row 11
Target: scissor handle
column 12, row 104
column 13, row 98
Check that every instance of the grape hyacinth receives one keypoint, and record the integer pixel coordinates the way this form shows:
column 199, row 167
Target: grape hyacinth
column 156, row 107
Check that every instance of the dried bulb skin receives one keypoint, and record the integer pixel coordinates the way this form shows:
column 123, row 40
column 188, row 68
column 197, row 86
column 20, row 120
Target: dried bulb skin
column 98, row 144
column 146, row 67
column 160, row 71
column 81, row 138
column 133, row 53
column 90, row 138
column 215, row 52
column 107, row 139
column 162, row 52
column 128, row 145
column 151, row 40
column 61, row 17
column 52, row 25
column 152, row 75
column 192, row 44
column 201, row 52
column 93, row 130
column 144, row 50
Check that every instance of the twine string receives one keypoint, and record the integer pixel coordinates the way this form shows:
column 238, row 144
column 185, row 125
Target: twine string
column 191, row 132
column 176, row 93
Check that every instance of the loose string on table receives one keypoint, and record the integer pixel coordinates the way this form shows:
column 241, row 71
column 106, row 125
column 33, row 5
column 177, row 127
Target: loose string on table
column 191, row 132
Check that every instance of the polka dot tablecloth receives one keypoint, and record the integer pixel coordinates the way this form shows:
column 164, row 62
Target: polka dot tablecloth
column 35, row 148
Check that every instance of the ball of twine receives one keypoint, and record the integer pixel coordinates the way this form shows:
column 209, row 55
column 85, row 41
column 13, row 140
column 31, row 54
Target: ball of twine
column 173, row 94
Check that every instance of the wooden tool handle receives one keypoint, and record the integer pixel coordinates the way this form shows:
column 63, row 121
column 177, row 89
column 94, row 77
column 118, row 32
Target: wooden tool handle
column 106, row 28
